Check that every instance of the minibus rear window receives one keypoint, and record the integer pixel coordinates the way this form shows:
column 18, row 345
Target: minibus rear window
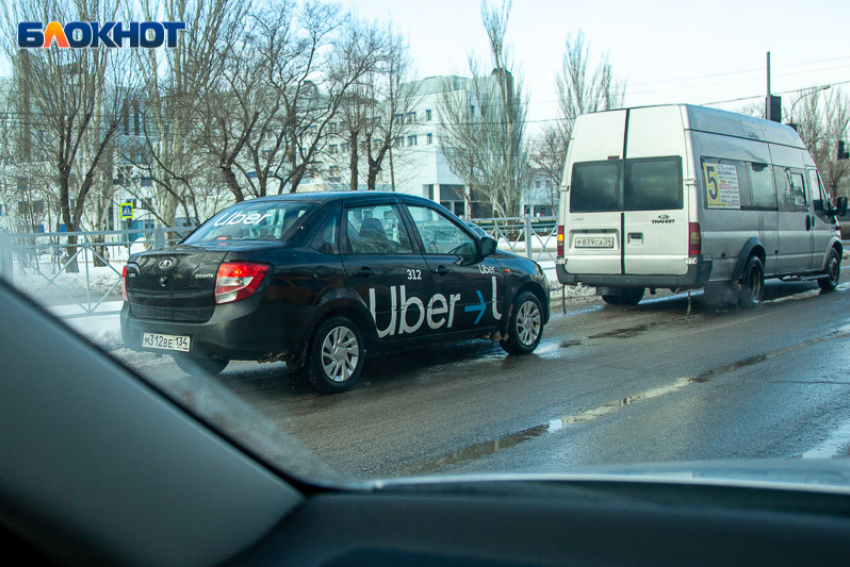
column 653, row 184
column 650, row 184
column 596, row 187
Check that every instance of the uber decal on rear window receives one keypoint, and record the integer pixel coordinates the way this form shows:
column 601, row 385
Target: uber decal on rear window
column 721, row 186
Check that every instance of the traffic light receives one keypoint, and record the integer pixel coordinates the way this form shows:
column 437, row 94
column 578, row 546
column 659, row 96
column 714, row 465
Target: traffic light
column 775, row 108
column 842, row 150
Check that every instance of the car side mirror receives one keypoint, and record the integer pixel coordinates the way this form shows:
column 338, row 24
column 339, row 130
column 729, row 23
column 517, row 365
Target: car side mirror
column 841, row 206
column 488, row 244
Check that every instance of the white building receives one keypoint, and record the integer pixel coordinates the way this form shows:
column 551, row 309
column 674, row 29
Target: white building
column 417, row 164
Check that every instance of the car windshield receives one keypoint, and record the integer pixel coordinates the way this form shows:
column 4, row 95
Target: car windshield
column 362, row 255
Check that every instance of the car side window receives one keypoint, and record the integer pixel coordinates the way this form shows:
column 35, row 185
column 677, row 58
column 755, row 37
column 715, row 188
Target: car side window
column 376, row 229
column 327, row 237
column 439, row 234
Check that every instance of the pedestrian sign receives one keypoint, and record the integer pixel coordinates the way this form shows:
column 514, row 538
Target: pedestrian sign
column 126, row 210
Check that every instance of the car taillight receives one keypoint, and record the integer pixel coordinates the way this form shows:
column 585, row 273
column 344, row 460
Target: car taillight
column 124, row 284
column 238, row 280
column 694, row 239
column 561, row 241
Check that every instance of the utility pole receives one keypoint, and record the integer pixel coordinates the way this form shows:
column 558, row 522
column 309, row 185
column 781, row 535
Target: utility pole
column 767, row 98
column 773, row 104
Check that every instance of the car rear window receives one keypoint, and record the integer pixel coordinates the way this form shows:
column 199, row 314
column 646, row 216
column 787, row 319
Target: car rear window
column 252, row 221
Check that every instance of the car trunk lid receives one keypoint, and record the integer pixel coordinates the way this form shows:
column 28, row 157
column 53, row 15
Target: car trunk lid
column 174, row 285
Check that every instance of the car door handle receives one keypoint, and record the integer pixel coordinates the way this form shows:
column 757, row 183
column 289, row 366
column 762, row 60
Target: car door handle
column 808, row 222
column 366, row 272
column 442, row 270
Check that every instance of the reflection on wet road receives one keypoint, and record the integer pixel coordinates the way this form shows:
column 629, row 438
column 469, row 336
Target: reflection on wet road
column 608, row 385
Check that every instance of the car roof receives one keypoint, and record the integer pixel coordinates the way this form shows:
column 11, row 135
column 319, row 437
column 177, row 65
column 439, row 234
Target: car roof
column 347, row 196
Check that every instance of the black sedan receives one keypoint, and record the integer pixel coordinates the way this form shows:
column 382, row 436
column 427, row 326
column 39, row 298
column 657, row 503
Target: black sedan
column 320, row 279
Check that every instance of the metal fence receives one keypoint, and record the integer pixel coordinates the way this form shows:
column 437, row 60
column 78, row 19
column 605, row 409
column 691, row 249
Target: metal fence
column 534, row 237
column 84, row 278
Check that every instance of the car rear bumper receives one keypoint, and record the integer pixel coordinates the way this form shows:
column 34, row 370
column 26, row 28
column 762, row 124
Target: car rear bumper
column 245, row 330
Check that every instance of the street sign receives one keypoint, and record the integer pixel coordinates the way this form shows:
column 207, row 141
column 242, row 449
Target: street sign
column 126, row 210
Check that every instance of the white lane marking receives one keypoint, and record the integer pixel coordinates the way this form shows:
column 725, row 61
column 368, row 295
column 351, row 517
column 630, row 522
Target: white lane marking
column 836, row 445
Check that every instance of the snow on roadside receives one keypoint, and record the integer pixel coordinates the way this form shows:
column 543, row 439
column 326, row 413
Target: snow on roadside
column 47, row 286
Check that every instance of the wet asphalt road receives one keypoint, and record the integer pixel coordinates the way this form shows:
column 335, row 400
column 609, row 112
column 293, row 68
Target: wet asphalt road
column 607, row 385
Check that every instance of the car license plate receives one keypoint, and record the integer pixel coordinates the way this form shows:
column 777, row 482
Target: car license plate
column 594, row 242
column 166, row 342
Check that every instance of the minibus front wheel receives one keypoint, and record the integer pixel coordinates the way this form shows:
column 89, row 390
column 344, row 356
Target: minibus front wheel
column 833, row 272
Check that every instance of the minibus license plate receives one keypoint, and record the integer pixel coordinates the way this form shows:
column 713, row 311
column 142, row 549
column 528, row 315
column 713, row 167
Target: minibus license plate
column 166, row 342
column 594, row 242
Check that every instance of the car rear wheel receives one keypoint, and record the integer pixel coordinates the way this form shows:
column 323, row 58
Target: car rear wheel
column 337, row 355
column 752, row 283
column 525, row 325
column 200, row 364
column 833, row 272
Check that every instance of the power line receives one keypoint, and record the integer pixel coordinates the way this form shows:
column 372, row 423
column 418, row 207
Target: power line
column 716, row 75
column 779, row 93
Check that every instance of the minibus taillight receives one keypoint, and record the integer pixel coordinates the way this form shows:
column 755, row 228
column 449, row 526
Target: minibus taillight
column 694, row 239
column 124, row 284
column 561, row 241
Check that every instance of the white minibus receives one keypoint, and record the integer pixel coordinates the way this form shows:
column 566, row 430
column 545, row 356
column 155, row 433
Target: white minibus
column 687, row 197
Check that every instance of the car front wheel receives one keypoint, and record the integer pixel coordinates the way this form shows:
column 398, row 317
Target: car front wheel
column 337, row 354
column 525, row 325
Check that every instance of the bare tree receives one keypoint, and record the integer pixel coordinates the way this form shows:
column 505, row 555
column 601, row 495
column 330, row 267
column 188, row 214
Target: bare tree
column 821, row 122
column 159, row 145
column 580, row 91
column 75, row 97
column 375, row 110
column 549, row 153
column 314, row 70
column 484, row 123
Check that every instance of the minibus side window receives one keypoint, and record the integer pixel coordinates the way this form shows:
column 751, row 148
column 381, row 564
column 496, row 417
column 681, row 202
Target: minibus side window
column 741, row 181
column 761, row 182
column 653, row 184
column 820, row 198
column 789, row 190
column 797, row 197
column 595, row 187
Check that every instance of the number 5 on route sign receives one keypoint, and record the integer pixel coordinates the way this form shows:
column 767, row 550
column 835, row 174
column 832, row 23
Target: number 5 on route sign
column 126, row 210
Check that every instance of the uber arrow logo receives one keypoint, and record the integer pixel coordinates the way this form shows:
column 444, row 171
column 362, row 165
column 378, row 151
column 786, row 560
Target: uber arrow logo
column 480, row 307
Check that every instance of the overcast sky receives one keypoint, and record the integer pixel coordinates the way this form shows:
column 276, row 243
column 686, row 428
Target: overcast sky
column 667, row 50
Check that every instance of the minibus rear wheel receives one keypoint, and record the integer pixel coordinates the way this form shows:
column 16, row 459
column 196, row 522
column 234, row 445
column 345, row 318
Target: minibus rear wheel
column 752, row 283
